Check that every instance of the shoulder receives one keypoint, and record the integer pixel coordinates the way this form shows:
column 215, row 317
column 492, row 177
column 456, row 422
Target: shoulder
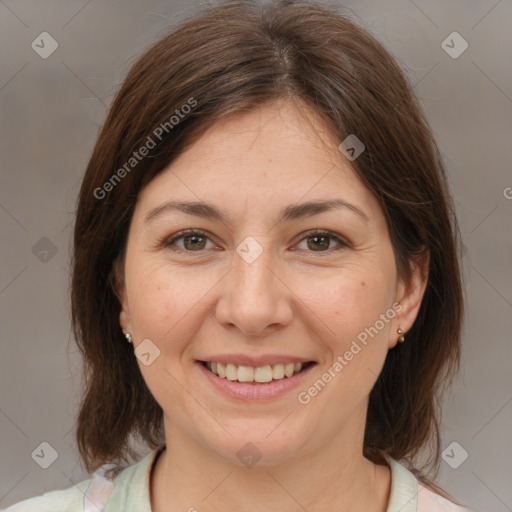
column 63, row 500
column 410, row 495
column 129, row 490
column 429, row 501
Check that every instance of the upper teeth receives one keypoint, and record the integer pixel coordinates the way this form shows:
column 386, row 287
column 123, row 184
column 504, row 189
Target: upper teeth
column 251, row 374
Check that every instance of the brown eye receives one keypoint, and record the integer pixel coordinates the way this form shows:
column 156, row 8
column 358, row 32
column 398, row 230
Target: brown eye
column 193, row 241
column 320, row 241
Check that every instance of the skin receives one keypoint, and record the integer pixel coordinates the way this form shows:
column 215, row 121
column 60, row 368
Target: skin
column 294, row 299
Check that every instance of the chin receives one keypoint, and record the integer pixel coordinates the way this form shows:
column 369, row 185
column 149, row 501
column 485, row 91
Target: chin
column 258, row 443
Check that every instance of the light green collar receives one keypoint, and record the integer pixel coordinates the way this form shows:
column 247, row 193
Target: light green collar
column 131, row 487
column 404, row 488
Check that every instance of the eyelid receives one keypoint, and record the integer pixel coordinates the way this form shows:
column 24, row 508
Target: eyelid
column 342, row 243
column 169, row 240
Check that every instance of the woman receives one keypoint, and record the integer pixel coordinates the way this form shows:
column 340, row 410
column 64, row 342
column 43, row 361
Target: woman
column 266, row 286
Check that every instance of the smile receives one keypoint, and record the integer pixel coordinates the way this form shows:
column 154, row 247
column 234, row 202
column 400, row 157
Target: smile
column 250, row 374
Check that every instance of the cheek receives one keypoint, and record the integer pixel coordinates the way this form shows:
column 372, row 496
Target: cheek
column 157, row 300
column 166, row 302
column 347, row 323
column 345, row 311
column 347, row 300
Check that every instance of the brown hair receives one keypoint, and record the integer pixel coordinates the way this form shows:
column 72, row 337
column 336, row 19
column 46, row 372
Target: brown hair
column 232, row 57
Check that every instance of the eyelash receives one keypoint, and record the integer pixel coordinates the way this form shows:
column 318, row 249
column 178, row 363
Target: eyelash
column 168, row 242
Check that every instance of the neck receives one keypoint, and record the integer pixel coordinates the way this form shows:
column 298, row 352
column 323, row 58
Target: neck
column 336, row 476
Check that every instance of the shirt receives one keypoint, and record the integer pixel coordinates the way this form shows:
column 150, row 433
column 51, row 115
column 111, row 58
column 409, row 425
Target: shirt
column 129, row 492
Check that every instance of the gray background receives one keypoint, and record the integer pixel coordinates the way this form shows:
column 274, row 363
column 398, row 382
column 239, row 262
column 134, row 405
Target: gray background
column 51, row 111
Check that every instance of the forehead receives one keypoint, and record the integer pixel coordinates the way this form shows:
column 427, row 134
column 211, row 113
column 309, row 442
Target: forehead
column 281, row 132
column 278, row 153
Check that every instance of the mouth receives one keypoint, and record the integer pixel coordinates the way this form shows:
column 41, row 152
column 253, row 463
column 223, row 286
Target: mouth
column 259, row 375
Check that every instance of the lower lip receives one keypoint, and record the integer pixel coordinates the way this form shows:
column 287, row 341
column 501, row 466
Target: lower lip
column 249, row 392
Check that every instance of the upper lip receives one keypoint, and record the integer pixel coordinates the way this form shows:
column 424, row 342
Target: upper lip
column 255, row 361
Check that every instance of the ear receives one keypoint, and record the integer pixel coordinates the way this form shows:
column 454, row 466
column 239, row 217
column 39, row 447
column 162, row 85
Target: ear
column 118, row 285
column 410, row 296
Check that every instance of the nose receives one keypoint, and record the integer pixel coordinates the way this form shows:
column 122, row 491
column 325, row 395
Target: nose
column 255, row 299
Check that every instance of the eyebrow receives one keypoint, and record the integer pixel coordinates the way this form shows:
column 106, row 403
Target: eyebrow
column 288, row 213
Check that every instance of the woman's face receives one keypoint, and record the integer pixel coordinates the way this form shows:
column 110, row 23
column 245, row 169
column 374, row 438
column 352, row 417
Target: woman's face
column 258, row 288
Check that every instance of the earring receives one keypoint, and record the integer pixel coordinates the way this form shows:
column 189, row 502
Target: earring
column 401, row 339
column 128, row 336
